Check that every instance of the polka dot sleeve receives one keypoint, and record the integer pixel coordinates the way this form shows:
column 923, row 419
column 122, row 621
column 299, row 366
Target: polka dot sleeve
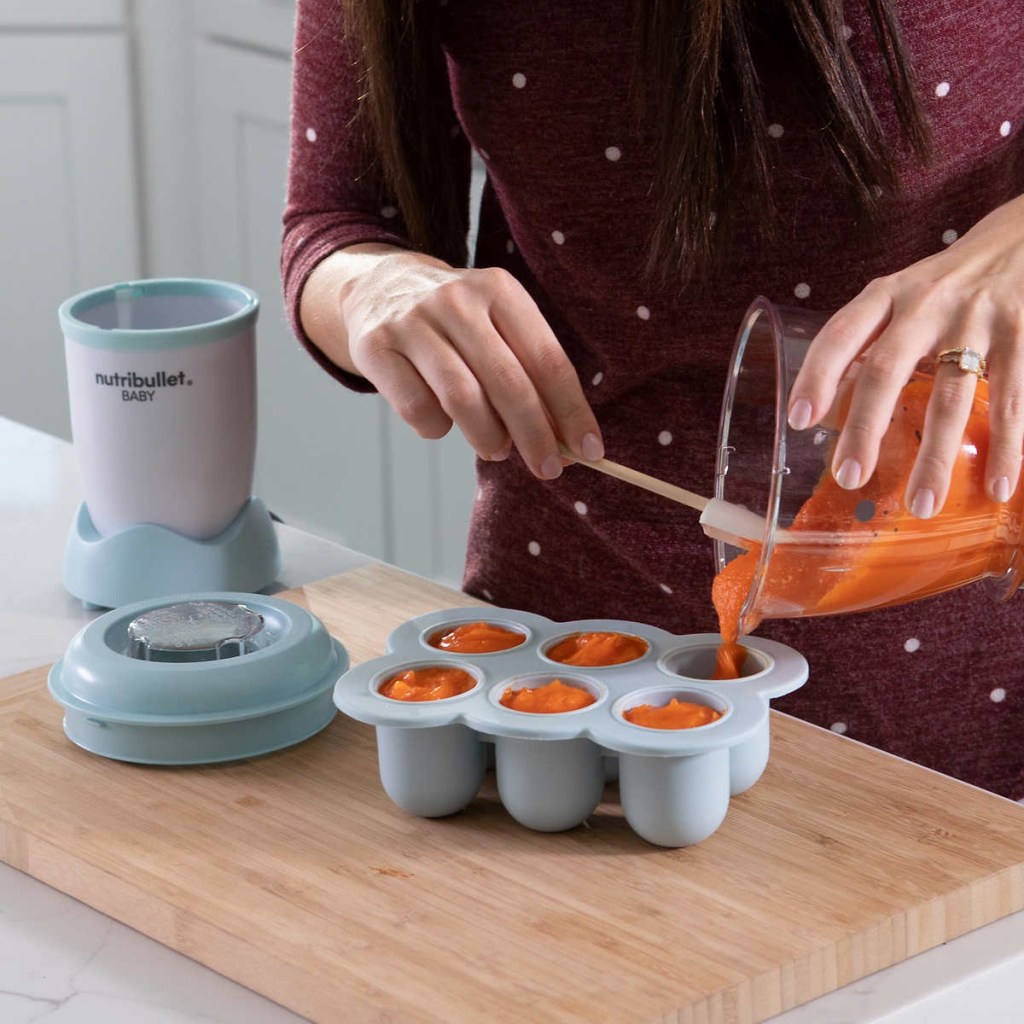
column 336, row 195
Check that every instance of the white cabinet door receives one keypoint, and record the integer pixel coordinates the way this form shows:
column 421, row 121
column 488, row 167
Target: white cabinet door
column 67, row 201
column 328, row 460
column 319, row 458
column 432, row 484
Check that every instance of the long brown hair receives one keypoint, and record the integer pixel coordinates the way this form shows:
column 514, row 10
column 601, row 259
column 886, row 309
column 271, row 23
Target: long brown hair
column 697, row 81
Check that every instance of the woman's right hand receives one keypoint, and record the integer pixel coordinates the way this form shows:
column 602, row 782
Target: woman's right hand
column 446, row 346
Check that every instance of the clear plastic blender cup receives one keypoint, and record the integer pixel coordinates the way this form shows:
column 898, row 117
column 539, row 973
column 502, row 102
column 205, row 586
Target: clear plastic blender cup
column 814, row 549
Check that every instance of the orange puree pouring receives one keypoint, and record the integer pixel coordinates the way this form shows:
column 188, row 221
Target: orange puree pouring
column 597, row 649
column 477, row 638
column 549, row 699
column 886, row 556
column 729, row 659
column 676, row 714
column 431, row 683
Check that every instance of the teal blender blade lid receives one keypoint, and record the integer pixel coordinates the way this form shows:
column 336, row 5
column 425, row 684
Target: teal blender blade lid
column 197, row 679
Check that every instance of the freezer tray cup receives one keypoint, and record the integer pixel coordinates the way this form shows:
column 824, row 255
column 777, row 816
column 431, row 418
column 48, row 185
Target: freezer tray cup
column 674, row 784
column 198, row 678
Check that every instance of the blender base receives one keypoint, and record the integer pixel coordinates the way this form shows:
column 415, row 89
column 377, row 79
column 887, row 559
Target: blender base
column 147, row 561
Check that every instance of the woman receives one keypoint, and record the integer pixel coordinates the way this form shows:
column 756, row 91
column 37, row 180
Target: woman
column 648, row 173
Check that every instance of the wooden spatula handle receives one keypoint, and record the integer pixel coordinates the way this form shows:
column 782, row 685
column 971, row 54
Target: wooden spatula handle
column 638, row 479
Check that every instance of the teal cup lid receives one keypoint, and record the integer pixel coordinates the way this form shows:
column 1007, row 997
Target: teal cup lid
column 161, row 313
column 198, row 678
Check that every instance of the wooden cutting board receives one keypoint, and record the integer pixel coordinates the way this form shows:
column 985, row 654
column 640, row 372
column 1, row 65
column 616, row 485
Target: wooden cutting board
column 294, row 874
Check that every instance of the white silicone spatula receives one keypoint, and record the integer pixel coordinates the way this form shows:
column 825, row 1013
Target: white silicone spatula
column 734, row 524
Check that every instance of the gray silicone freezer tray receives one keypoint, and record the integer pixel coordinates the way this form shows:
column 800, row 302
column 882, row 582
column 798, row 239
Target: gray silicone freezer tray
column 674, row 785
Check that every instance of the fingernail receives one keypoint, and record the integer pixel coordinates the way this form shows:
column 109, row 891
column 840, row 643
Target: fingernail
column 923, row 503
column 502, row 453
column 551, row 468
column 592, row 447
column 1001, row 488
column 848, row 476
column 800, row 414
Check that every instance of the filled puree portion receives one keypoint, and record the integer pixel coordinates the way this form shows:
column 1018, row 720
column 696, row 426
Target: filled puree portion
column 598, row 649
column 550, row 699
column 676, row 714
column 434, row 682
column 477, row 638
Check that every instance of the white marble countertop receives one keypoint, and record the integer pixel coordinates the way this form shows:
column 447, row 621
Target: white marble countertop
column 64, row 963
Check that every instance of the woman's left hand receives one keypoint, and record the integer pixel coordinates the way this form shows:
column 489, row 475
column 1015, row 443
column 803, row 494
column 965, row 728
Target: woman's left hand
column 970, row 295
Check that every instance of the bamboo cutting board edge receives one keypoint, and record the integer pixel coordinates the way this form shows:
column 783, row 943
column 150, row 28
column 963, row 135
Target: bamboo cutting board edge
column 824, row 966
column 774, row 991
column 174, row 927
column 852, row 957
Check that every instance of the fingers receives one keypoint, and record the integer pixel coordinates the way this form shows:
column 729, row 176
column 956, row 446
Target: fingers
column 995, row 333
column 884, row 371
column 1006, row 411
column 516, row 400
column 846, row 334
column 535, row 347
column 885, row 368
column 944, row 423
column 475, row 350
column 966, row 295
column 523, row 374
column 438, row 391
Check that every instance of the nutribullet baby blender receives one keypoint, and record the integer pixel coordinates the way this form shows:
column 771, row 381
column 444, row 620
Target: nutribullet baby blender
column 162, row 388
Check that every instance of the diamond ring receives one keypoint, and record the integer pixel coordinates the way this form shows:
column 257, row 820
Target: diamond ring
column 966, row 360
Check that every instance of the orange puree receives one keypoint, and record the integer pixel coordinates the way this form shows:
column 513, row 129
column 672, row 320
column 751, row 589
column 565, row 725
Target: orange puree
column 676, row 714
column 887, row 556
column 477, row 638
column 433, row 683
column 549, row 699
column 597, row 649
column 729, row 659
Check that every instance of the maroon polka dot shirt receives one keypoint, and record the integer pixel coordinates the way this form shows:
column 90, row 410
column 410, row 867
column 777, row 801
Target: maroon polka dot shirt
column 541, row 92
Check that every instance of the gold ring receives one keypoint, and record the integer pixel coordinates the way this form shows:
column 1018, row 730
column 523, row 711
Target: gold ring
column 966, row 360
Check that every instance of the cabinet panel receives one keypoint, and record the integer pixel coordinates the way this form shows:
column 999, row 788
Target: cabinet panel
column 67, row 202
column 432, row 489
column 328, row 460
column 62, row 13
column 319, row 459
column 263, row 24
